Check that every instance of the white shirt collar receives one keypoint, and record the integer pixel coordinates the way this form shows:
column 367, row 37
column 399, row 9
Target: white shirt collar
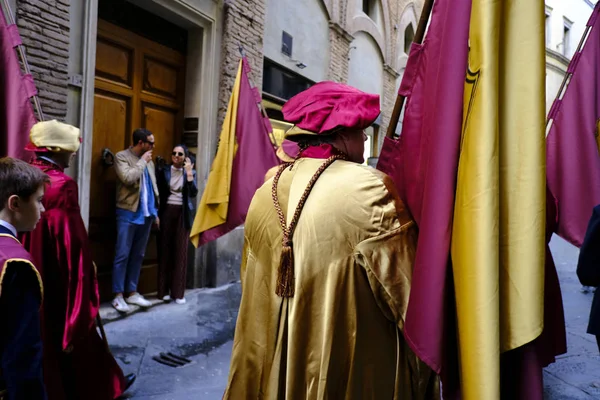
column 176, row 169
column 9, row 227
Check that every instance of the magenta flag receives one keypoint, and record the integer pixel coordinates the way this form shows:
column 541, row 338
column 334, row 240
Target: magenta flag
column 573, row 163
column 16, row 89
column 254, row 157
column 424, row 164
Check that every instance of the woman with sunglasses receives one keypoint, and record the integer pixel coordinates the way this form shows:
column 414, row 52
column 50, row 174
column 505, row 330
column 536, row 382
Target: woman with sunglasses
column 177, row 188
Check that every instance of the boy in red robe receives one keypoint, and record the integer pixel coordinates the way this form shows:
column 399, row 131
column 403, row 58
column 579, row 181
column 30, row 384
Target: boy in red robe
column 77, row 362
column 21, row 191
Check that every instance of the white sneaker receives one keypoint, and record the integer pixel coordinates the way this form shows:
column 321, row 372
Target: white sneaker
column 167, row 298
column 138, row 300
column 585, row 289
column 180, row 301
column 119, row 304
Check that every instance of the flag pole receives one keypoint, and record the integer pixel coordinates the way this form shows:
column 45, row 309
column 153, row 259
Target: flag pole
column 21, row 51
column 260, row 105
column 419, row 35
column 568, row 74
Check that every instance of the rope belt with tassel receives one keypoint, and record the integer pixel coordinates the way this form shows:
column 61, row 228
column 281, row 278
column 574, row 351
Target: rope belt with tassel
column 285, row 276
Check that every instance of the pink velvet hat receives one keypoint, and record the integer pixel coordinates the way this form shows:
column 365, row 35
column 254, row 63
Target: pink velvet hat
column 327, row 107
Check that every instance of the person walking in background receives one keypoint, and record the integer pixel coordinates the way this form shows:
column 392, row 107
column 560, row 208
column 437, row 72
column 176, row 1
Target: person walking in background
column 177, row 187
column 588, row 269
column 77, row 362
column 21, row 191
column 137, row 209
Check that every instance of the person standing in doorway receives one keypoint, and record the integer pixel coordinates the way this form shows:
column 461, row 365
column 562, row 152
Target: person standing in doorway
column 177, row 188
column 137, row 210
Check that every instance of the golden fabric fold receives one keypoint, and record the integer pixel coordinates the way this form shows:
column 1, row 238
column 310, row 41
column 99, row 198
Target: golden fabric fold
column 339, row 336
column 499, row 218
column 213, row 207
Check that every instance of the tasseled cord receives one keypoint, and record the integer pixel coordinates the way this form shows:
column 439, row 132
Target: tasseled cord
column 285, row 275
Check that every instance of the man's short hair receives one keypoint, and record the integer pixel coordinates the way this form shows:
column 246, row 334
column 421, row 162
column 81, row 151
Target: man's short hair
column 305, row 141
column 140, row 134
column 19, row 178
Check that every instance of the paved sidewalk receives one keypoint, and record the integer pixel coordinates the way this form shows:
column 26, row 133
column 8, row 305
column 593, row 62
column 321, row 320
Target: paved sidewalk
column 203, row 330
column 575, row 375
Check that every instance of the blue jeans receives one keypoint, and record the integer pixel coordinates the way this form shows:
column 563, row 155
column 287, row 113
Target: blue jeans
column 131, row 245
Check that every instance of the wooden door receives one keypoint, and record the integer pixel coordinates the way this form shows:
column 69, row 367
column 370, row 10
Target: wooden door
column 139, row 83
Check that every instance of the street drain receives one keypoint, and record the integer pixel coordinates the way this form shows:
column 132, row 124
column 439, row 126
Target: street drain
column 172, row 360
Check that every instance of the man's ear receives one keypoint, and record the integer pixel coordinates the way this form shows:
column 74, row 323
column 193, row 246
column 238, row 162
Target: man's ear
column 13, row 203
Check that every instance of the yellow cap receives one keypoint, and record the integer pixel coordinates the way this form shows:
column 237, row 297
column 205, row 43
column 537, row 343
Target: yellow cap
column 54, row 136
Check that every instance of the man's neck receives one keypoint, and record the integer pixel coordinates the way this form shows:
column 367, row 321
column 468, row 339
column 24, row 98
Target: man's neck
column 136, row 150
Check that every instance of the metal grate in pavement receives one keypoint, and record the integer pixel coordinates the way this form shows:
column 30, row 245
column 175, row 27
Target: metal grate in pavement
column 171, row 360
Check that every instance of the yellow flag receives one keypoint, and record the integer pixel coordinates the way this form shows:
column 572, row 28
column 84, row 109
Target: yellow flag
column 498, row 243
column 214, row 204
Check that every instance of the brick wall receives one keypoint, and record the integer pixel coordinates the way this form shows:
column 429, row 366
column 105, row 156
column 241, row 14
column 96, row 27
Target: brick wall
column 244, row 24
column 339, row 44
column 44, row 27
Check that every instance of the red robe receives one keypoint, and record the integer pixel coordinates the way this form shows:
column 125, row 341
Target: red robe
column 60, row 248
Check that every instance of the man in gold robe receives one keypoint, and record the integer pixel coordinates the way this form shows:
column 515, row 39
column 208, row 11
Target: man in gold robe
column 327, row 267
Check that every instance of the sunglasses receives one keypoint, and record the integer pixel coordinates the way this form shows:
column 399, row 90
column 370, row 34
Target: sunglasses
column 149, row 142
column 177, row 153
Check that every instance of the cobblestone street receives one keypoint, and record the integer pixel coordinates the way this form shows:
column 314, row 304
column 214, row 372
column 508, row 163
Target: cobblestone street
column 202, row 330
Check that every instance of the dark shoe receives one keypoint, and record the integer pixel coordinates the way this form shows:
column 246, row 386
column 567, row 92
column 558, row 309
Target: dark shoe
column 129, row 379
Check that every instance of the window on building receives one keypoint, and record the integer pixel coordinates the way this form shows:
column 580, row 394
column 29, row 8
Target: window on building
column 366, row 6
column 409, row 36
column 282, row 83
column 286, row 43
column 567, row 38
column 369, row 8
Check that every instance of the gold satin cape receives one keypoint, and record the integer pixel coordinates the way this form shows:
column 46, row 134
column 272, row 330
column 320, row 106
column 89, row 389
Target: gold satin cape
column 340, row 336
column 498, row 237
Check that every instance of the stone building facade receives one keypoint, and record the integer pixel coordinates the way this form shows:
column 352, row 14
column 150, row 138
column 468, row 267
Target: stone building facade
column 172, row 67
column 565, row 24
column 360, row 42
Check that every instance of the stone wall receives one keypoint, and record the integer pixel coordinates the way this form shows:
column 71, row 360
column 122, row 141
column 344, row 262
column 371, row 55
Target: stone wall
column 44, row 27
